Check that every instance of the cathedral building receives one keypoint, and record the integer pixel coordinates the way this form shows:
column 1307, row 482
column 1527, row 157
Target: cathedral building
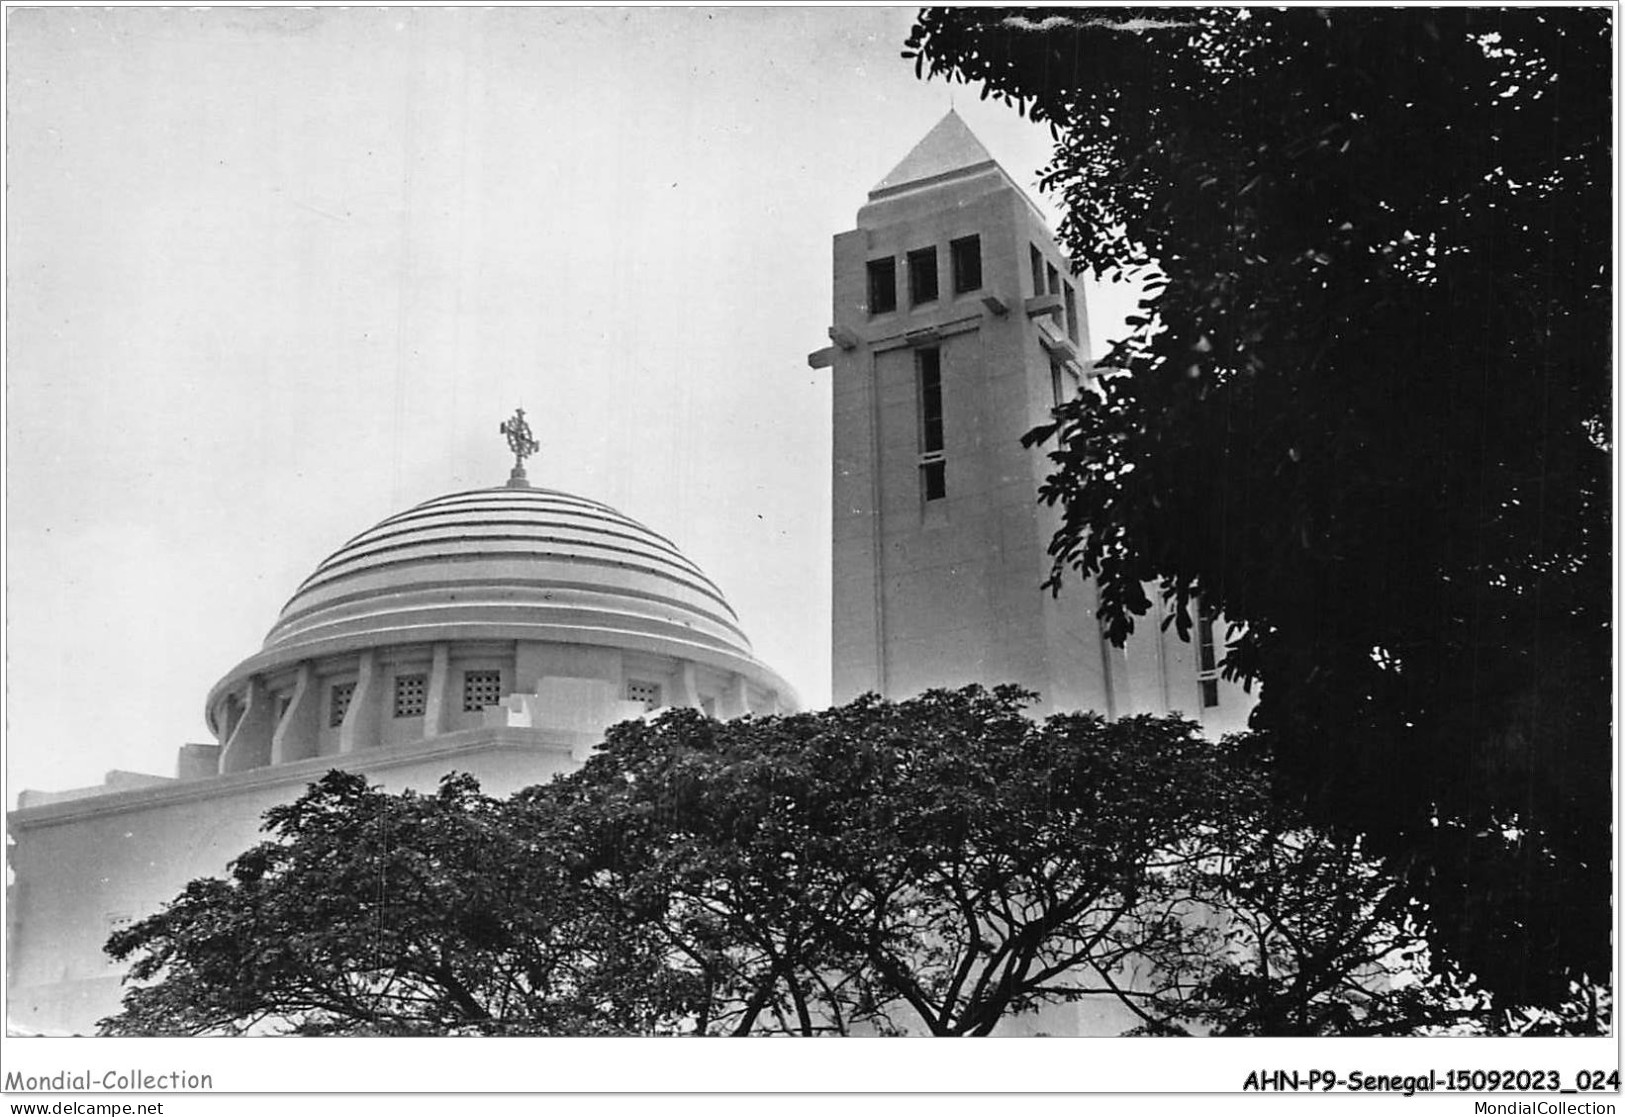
column 497, row 632
column 501, row 631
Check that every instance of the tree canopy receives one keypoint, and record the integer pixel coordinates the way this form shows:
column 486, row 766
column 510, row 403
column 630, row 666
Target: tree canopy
column 936, row 866
column 366, row 913
column 1364, row 413
column 933, row 865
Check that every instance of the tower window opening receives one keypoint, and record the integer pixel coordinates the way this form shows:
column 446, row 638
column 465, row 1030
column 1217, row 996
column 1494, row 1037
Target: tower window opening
column 1054, row 279
column 966, row 256
column 411, row 695
column 339, row 703
column 922, row 276
column 1038, row 269
column 1057, row 382
column 481, row 689
column 1207, row 665
column 934, row 479
column 883, row 286
column 641, row 690
column 1071, row 313
column 929, row 362
column 933, row 469
column 1210, row 693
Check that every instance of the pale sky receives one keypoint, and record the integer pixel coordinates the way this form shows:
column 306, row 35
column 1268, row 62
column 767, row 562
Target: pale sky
column 275, row 275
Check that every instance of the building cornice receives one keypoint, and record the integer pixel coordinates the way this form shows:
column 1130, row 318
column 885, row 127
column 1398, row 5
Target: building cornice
column 451, row 746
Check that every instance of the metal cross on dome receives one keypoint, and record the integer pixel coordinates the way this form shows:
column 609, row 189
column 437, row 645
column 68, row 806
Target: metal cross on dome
column 520, row 441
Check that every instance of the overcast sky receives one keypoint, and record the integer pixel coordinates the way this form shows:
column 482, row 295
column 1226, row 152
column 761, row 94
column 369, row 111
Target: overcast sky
column 275, row 275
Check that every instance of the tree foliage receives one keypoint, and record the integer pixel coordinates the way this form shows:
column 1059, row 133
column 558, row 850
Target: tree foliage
column 367, row 913
column 1364, row 413
column 935, row 866
column 1288, row 930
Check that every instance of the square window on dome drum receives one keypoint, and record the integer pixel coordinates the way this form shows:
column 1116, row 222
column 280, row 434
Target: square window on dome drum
column 411, row 695
column 640, row 690
column 339, row 703
column 481, row 689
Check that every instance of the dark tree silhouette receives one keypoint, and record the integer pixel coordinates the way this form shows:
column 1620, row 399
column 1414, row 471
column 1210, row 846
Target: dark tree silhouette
column 1364, row 413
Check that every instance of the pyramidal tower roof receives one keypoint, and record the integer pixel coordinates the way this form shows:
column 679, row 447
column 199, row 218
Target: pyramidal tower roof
column 947, row 149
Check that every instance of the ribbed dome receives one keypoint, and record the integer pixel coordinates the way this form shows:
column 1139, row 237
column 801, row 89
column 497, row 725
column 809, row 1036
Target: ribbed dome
column 508, row 563
column 483, row 554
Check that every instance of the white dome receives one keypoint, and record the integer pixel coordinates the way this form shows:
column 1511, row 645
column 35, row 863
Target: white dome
column 508, row 563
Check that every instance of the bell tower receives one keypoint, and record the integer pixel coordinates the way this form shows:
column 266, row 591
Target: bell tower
column 957, row 327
